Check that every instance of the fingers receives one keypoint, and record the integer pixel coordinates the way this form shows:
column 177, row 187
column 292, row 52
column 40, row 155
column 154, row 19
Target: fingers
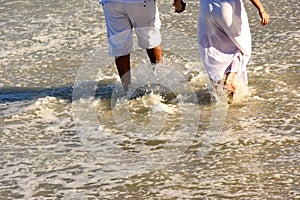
column 264, row 18
column 265, row 21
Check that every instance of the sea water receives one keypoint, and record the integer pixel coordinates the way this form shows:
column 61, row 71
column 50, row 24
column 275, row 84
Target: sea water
column 68, row 131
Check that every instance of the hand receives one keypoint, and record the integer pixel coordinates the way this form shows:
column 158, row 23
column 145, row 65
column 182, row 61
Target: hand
column 179, row 6
column 264, row 17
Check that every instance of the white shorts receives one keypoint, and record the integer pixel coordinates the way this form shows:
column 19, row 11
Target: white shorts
column 122, row 18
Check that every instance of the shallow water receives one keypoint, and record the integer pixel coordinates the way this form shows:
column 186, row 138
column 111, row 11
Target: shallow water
column 67, row 132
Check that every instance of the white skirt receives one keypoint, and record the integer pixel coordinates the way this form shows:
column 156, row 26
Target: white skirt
column 224, row 38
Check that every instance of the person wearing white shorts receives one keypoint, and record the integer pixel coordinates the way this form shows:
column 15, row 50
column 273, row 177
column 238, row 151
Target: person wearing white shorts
column 122, row 17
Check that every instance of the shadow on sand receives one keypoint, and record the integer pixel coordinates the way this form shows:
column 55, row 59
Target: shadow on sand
column 105, row 92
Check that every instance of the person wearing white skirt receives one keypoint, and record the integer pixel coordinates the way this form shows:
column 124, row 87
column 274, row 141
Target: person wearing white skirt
column 225, row 40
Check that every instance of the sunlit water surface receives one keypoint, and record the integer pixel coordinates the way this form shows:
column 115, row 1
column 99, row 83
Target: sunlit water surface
column 55, row 146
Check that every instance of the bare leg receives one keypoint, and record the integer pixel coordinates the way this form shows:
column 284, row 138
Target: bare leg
column 155, row 54
column 229, row 85
column 123, row 66
column 229, row 81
